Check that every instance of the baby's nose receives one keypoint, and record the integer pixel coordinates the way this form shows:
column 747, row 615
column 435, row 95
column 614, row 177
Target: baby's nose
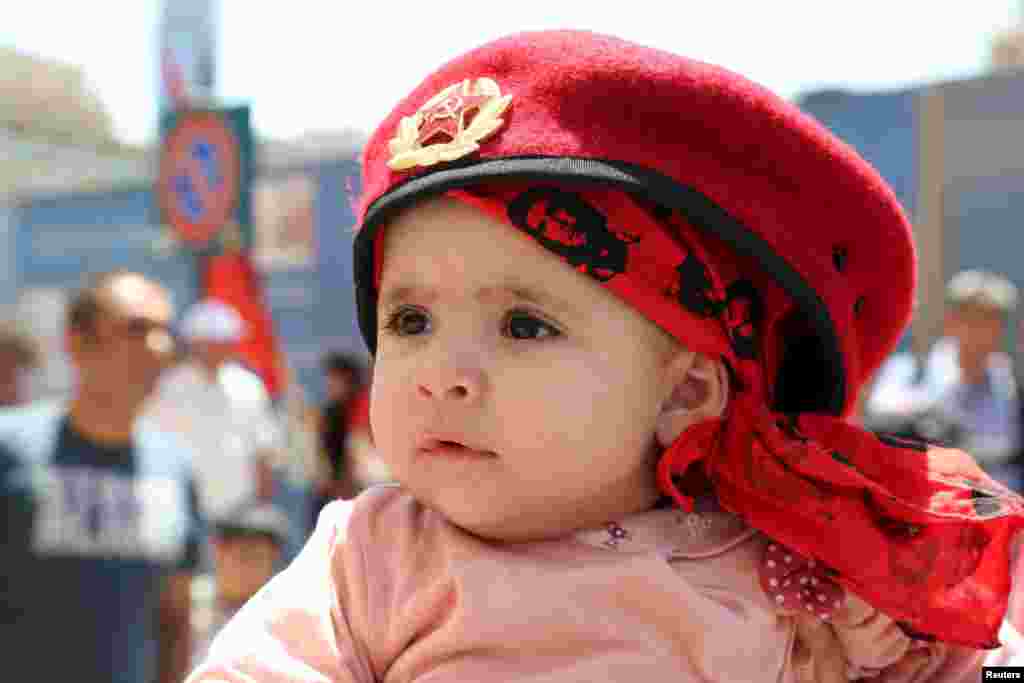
column 460, row 383
column 459, row 391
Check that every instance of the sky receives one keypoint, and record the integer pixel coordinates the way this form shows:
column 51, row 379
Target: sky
column 308, row 65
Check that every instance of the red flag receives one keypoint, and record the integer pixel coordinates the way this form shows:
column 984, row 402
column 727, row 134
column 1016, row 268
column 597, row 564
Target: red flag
column 231, row 277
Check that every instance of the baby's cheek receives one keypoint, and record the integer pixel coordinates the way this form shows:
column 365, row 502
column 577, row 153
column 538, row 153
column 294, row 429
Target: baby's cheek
column 386, row 422
column 537, row 423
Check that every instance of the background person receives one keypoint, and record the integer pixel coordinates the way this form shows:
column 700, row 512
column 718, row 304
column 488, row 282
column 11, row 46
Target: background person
column 19, row 357
column 247, row 546
column 100, row 530
column 222, row 410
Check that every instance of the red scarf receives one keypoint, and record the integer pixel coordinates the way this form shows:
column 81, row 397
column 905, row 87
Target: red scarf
column 919, row 532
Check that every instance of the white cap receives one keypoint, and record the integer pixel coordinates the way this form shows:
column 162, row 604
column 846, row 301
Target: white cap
column 984, row 288
column 211, row 320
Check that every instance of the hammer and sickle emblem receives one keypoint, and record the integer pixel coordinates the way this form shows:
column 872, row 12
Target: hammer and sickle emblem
column 449, row 108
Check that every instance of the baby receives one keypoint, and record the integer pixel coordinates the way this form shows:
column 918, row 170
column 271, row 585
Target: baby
column 620, row 304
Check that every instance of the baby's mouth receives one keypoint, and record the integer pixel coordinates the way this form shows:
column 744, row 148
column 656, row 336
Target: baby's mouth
column 452, row 449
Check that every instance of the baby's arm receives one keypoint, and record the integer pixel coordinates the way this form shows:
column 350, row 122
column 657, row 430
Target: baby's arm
column 870, row 646
column 953, row 664
column 297, row 628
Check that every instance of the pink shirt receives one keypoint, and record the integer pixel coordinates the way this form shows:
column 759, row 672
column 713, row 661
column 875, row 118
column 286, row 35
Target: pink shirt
column 388, row 590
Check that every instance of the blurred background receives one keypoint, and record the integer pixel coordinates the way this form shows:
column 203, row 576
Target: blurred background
column 930, row 95
column 93, row 97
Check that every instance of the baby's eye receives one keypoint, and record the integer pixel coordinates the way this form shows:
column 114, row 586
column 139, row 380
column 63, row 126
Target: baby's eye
column 407, row 321
column 522, row 325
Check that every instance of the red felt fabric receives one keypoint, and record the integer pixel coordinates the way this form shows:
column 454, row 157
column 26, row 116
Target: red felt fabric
column 775, row 169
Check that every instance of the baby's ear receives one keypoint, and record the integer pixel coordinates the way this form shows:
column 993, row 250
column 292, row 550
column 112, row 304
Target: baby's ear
column 700, row 392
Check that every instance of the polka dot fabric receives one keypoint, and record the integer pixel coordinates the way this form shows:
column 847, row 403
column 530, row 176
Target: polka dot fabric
column 798, row 584
column 920, row 533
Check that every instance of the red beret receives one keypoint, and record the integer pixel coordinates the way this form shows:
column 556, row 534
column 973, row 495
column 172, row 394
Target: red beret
column 583, row 109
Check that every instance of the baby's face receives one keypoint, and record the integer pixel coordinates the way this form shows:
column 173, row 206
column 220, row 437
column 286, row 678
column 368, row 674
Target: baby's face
column 513, row 395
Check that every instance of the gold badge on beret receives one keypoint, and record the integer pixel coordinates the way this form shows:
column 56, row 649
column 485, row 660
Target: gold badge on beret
column 450, row 125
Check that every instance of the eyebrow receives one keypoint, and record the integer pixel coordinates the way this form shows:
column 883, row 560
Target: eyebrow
column 517, row 290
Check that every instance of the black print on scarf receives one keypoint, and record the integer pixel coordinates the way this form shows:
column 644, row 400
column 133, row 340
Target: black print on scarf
column 905, row 442
column 843, row 460
column 742, row 307
column 915, row 634
column 789, row 424
column 565, row 224
column 745, row 313
column 986, row 505
column 695, row 290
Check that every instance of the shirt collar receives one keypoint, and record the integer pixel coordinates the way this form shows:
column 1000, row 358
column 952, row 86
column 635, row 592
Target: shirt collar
column 671, row 532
